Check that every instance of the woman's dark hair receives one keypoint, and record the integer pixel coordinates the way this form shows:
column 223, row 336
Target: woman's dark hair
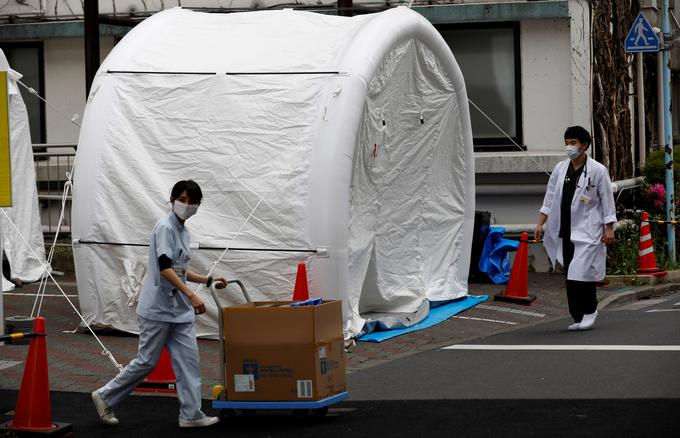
column 192, row 189
column 579, row 133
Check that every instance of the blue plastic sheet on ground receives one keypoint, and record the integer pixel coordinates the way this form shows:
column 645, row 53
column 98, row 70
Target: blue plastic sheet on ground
column 494, row 260
column 437, row 314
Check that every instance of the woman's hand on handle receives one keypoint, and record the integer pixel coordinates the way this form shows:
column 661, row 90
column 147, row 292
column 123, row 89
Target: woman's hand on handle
column 197, row 304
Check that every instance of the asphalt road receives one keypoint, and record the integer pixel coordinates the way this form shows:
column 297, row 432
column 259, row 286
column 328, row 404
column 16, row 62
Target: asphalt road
column 621, row 358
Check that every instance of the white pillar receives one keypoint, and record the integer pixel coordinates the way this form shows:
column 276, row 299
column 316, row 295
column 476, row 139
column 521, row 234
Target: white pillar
column 579, row 33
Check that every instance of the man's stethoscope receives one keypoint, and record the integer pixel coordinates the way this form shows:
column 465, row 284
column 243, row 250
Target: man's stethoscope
column 583, row 175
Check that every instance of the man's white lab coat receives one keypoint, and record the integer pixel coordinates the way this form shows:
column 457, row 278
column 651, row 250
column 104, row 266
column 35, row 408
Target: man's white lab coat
column 591, row 208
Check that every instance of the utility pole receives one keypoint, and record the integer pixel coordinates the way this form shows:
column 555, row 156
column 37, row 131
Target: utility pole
column 668, row 137
column 345, row 8
column 91, row 24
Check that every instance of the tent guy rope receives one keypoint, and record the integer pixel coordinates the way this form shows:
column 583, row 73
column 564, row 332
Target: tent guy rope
column 45, row 267
column 67, row 188
column 509, row 138
column 73, row 119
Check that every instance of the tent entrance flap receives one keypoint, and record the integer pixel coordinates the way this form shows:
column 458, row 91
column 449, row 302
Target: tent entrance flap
column 408, row 198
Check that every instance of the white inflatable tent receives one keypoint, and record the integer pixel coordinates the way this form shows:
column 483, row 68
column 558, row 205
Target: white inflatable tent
column 24, row 212
column 341, row 142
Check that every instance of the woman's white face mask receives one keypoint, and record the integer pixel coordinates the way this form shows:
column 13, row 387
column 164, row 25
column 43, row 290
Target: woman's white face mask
column 184, row 211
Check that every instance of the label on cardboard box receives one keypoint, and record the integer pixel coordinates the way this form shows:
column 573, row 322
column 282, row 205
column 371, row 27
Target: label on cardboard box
column 305, row 389
column 244, row 383
column 322, row 352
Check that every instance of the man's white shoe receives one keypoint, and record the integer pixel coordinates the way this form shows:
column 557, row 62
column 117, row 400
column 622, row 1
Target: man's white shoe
column 105, row 412
column 201, row 422
column 588, row 321
column 574, row 326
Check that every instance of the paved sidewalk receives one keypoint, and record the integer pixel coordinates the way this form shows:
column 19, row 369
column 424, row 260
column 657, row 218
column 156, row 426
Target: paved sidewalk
column 77, row 365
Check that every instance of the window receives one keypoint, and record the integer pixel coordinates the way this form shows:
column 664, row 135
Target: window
column 489, row 59
column 27, row 59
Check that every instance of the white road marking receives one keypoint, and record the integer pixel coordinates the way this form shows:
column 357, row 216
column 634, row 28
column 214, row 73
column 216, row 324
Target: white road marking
column 486, row 320
column 33, row 295
column 8, row 364
column 663, row 310
column 564, row 347
column 509, row 310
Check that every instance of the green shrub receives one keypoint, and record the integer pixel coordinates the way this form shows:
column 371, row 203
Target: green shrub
column 654, row 169
column 660, row 239
column 622, row 256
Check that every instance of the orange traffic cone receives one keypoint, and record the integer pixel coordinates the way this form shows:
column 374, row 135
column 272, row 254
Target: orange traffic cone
column 33, row 411
column 517, row 290
column 301, row 292
column 646, row 257
column 162, row 378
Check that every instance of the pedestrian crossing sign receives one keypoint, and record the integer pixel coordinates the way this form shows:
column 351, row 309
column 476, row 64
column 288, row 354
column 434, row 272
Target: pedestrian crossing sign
column 641, row 37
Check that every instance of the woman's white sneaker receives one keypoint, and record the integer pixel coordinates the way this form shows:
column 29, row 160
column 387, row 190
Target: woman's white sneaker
column 105, row 412
column 201, row 422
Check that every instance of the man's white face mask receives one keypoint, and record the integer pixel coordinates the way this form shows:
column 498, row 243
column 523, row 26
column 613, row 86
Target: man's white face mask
column 572, row 152
column 184, row 211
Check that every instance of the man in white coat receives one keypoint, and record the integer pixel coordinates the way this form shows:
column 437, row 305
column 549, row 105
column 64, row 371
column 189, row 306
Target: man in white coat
column 579, row 214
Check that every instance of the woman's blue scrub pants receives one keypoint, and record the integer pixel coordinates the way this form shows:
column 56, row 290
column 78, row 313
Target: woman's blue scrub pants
column 180, row 340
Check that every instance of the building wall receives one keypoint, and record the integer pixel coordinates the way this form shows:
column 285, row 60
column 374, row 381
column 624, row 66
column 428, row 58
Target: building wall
column 546, row 83
column 65, row 85
column 510, row 184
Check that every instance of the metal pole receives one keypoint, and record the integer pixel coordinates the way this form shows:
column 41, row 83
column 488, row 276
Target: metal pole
column 641, row 111
column 668, row 138
column 659, row 98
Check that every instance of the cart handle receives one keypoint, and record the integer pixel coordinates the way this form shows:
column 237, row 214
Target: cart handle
column 213, row 291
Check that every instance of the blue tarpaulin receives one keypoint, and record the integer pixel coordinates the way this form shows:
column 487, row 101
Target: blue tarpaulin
column 437, row 314
column 495, row 261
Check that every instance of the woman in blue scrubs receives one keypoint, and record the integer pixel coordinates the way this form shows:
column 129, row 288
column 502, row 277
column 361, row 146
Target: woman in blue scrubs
column 166, row 311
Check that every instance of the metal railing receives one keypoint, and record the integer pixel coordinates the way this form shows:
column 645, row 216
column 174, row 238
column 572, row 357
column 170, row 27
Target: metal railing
column 52, row 162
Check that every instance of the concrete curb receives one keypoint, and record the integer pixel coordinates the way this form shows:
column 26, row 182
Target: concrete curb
column 644, row 280
column 636, row 294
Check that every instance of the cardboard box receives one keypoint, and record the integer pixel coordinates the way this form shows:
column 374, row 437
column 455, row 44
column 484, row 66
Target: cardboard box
column 275, row 352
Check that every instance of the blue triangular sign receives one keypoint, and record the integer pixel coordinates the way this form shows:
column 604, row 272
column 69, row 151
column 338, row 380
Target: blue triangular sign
column 641, row 37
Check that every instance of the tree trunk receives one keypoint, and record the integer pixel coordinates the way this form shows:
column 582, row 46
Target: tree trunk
column 611, row 84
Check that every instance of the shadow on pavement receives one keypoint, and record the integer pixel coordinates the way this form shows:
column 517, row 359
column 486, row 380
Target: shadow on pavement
column 150, row 416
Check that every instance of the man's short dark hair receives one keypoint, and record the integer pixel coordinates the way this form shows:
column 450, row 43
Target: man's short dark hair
column 579, row 133
column 193, row 191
